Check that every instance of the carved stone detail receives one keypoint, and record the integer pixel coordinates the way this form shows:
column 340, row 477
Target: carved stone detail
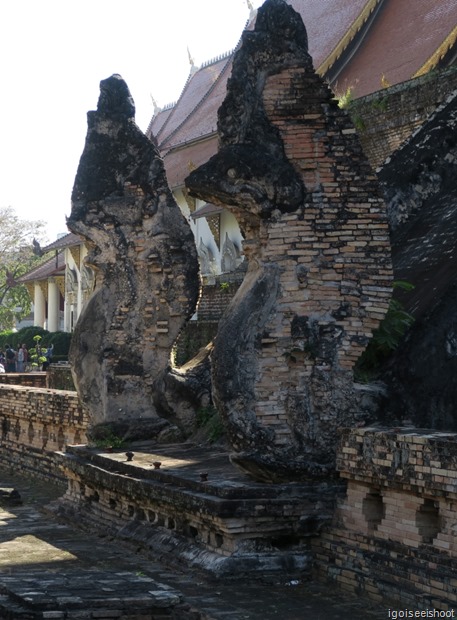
column 214, row 223
column 230, row 255
column 87, row 281
column 205, row 258
column 143, row 252
column 71, row 284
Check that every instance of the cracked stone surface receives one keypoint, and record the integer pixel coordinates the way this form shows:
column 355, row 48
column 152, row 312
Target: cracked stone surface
column 291, row 169
column 421, row 194
column 143, row 253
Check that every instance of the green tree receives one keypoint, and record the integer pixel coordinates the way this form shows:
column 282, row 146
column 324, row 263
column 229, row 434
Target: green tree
column 17, row 258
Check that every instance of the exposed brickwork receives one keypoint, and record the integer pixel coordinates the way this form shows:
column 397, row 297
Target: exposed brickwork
column 144, row 253
column 58, row 377
column 29, row 379
column 220, row 524
column 394, row 534
column 385, row 119
column 340, row 242
column 290, row 167
column 35, row 422
column 216, row 296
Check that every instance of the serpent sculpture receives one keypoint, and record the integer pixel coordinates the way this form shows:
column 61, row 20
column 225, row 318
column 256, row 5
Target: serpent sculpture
column 143, row 253
column 291, row 169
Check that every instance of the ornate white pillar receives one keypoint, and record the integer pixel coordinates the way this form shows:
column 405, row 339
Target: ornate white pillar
column 39, row 306
column 53, row 306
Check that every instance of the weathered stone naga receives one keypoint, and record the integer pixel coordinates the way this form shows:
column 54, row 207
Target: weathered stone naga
column 291, row 169
column 143, row 253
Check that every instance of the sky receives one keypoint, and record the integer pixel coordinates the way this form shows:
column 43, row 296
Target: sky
column 54, row 55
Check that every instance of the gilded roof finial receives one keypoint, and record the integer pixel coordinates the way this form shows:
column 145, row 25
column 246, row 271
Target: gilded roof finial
column 193, row 68
column 154, row 103
column 251, row 8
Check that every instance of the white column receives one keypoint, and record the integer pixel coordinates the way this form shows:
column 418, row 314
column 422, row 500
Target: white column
column 66, row 315
column 39, row 306
column 53, row 306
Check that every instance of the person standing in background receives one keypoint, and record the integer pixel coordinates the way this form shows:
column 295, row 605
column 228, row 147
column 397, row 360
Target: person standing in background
column 10, row 355
column 20, row 361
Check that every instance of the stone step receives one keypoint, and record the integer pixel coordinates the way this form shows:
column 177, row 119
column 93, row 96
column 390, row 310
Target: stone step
column 86, row 594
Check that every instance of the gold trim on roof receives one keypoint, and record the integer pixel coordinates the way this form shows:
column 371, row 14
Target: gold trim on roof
column 348, row 37
column 75, row 251
column 43, row 284
column 30, row 286
column 60, row 281
column 434, row 59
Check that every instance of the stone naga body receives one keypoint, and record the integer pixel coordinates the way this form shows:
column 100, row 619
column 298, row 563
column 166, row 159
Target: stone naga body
column 143, row 253
column 291, row 169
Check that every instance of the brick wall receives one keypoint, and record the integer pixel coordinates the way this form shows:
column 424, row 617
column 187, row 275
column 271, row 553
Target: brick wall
column 394, row 535
column 385, row 119
column 30, row 379
column 35, row 422
column 333, row 254
column 221, row 524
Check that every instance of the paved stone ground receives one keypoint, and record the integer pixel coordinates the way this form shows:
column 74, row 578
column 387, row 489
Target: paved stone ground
column 44, row 558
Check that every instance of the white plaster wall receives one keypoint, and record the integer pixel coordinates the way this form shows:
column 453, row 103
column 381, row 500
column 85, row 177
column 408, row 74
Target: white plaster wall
column 202, row 232
column 78, row 304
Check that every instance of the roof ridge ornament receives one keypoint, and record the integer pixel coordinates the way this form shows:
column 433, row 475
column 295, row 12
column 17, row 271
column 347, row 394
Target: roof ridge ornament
column 217, row 58
column 252, row 10
column 155, row 105
column 193, row 67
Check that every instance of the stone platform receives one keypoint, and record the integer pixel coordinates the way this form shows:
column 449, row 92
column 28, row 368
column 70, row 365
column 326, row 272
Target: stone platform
column 88, row 594
column 195, row 509
column 42, row 560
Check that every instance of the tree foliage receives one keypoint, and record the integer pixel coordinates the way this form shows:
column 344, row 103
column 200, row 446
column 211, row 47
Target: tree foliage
column 387, row 337
column 26, row 335
column 17, row 258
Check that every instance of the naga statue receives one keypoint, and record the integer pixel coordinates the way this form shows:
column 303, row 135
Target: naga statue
column 143, row 253
column 290, row 167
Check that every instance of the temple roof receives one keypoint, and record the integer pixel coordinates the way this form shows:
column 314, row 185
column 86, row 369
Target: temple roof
column 331, row 26
column 52, row 267
column 63, row 242
column 406, row 39
column 361, row 44
column 195, row 113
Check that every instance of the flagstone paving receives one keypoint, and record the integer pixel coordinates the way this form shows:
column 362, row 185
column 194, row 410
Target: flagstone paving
column 47, row 566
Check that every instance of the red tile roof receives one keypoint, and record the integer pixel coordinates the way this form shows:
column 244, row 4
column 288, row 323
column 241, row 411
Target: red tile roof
column 328, row 22
column 53, row 266
column 159, row 119
column 63, row 242
column 181, row 161
column 195, row 114
column 353, row 42
column 401, row 40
